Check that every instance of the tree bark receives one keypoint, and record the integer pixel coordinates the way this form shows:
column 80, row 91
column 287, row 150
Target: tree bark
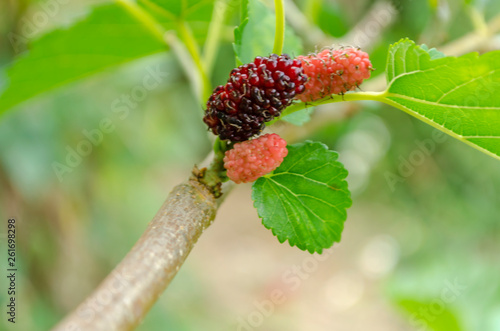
column 126, row 295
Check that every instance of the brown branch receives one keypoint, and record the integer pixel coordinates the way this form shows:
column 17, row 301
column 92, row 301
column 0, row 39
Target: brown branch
column 126, row 295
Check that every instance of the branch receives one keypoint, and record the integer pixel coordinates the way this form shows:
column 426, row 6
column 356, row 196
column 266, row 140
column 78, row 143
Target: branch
column 188, row 65
column 474, row 41
column 310, row 33
column 380, row 16
column 123, row 299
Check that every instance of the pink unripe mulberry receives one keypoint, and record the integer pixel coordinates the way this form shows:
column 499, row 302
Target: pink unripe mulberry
column 255, row 158
column 334, row 72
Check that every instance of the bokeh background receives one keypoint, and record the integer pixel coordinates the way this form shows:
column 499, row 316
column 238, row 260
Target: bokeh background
column 418, row 253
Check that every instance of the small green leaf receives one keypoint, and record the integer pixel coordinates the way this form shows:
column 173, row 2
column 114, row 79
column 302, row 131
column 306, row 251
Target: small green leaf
column 255, row 36
column 109, row 36
column 457, row 95
column 304, row 201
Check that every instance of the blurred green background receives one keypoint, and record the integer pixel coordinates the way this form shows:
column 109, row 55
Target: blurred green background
column 419, row 253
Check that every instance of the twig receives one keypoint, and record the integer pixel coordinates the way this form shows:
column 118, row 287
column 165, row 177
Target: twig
column 126, row 295
column 370, row 28
column 310, row 33
column 187, row 37
column 473, row 41
column 215, row 29
column 187, row 63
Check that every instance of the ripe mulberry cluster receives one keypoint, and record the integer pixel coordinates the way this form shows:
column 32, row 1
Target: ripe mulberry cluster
column 254, row 94
column 254, row 158
column 334, row 72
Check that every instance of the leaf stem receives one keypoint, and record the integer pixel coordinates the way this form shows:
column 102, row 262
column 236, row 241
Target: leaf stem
column 211, row 48
column 192, row 47
column 279, row 36
column 357, row 96
column 149, row 22
column 217, row 165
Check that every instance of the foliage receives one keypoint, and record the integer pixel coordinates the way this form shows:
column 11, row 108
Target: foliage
column 455, row 95
column 100, row 41
column 305, row 204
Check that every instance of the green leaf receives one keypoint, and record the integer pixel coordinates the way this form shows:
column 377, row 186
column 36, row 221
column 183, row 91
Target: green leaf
column 457, row 95
column 304, row 201
column 111, row 35
column 187, row 10
column 255, row 35
column 244, row 9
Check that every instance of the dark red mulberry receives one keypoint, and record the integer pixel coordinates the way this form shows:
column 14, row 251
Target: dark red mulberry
column 255, row 93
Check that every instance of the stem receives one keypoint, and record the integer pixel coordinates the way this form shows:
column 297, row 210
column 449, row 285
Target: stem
column 357, row 96
column 137, row 282
column 143, row 16
column 473, row 41
column 310, row 33
column 216, row 173
column 279, row 36
column 192, row 47
column 186, row 61
column 477, row 20
column 211, row 48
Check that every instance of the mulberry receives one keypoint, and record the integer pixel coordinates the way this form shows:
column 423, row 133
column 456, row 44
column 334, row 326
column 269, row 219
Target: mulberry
column 334, row 72
column 255, row 93
column 254, row 158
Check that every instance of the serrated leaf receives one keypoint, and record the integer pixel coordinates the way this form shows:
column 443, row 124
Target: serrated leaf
column 304, row 201
column 244, row 9
column 109, row 36
column 457, row 95
column 255, row 36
